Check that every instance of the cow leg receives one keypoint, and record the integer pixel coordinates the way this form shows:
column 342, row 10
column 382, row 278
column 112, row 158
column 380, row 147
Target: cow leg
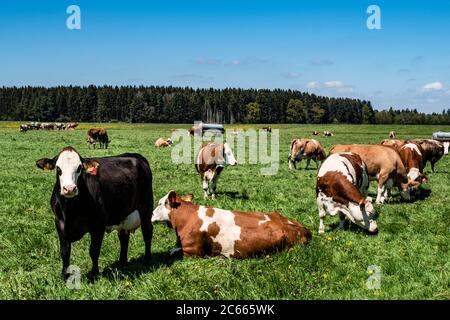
column 317, row 163
column 124, row 237
column 147, row 233
column 214, row 183
column 94, row 251
column 432, row 165
column 205, row 187
column 341, row 221
column 381, row 188
column 65, row 248
column 322, row 215
column 307, row 163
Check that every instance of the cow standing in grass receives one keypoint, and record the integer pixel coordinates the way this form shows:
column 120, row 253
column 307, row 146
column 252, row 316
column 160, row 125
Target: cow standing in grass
column 383, row 164
column 342, row 185
column 94, row 195
column 308, row 149
column 205, row 231
column 210, row 161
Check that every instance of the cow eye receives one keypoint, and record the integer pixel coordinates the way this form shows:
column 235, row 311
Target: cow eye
column 58, row 171
column 79, row 169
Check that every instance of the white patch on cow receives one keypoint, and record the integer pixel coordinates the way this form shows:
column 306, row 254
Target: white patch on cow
column 131, row 223
column 336, row 162
column 413, row 147
column 446, row 145
column 290, row 222
column 413, row 174
column 69, row 163
column 161, row 212
column 315, row 142
column 229, row 232
column 266, row 219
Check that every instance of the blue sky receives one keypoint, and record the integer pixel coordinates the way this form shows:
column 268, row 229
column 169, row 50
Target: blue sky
column 319, row 46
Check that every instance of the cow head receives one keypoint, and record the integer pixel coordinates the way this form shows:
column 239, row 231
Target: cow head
column 446, row 145
column 364, row 214
column 69, row 166
column 296, row 151
column 228, row 155
column 165, row 206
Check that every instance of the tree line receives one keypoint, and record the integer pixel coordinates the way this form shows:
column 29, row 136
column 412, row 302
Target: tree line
column 167, row 104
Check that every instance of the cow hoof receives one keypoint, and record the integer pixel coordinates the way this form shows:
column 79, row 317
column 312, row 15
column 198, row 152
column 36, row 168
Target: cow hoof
column 176, row 252
column 92, row 276
column 122, row 263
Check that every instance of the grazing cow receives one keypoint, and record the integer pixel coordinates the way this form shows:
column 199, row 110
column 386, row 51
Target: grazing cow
column 383, row 164
column 205, row 231
column 412, row 157
column 71, row 125
column 94, row 195
column 267, row 129
column 328, row 134
column 100, row 135
column 35, row 125
column 306, row 148
column 433, row 150
column 24, row 128
column 48, row 126
column 342, row 185
column 315, row 133
column 392, row 135
column 60, row 126
column 396, row 144
column 163, row 142
column 210, row 161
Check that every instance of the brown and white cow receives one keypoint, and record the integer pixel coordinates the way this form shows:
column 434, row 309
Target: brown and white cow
column 397, row 144
column 392, row 135
column 342, row 185
column 210, row 161
column 328, row 134
column 205, row 231
column 100, row 135
column 412, row 157
column 71, row 125
column 433, row 150
column 383, row 164
column 24, row 128
column 163, row 142
column 306, row 148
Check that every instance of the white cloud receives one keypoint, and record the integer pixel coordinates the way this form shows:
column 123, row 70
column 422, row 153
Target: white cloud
column 313, row 85
column 291, row 75
column 334, row 84
column 433, row 86
column 339, row 86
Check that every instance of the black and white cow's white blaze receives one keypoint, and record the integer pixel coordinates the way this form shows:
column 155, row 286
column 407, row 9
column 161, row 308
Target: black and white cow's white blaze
column 100, row 194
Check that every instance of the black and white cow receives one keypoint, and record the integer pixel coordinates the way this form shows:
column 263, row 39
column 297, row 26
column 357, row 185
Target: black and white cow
column 94, row 195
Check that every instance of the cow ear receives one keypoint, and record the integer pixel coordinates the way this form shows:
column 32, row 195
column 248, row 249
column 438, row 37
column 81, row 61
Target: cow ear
column 187, row 197
column 91, row 167
column 46, row 164
column 172, row 198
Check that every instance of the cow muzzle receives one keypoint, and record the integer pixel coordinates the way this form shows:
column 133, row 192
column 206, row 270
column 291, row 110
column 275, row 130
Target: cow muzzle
column 69, row 191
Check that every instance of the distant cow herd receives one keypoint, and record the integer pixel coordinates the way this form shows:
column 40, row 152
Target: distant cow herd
column 102, row 194
column 47, row 126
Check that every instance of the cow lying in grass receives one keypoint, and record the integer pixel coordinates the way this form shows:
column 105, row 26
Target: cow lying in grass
column 204, row 231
